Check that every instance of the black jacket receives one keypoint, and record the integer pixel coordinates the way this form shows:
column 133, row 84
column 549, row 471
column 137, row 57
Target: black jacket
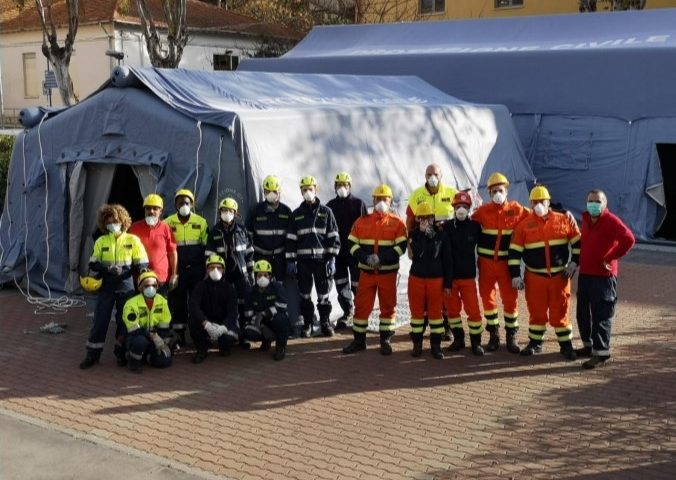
column 463, row 237
column 267, row 227
column 432, row 256
column 346, row 210
column 216, row 302
column 234, row 245
column 271, row 301
column 312, row 233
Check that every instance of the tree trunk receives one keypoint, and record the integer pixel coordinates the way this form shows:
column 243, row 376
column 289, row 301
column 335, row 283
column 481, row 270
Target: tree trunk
column 165, row 54
column 64, row 81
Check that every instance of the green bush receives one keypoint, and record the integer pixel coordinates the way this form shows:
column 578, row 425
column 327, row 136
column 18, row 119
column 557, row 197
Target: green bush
column 6, row 145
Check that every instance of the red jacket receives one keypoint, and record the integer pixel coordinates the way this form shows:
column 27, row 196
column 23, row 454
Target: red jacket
column 607, row 240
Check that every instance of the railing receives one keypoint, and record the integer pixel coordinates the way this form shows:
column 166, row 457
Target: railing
column 9, row 118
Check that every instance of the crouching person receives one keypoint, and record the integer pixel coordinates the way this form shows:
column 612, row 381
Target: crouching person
column 213, row 311
column 147, row 319
column 265, row 312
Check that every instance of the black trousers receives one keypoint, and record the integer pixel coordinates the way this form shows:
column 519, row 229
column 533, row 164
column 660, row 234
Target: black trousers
column 346, row 277
column 202, row 341
column 314, row 272
column 596, row 299
column 179, row 298
column 105, row 303
column 141, row 348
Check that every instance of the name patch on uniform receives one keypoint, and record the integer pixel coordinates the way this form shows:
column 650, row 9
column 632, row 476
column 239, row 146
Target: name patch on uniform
column 105, row 249
column 195, row 227
column 128, row 246
column 261, row 219
column 270, row 297
column 510, row 213
column 283, row 216
column 321, row 215
column 446, row 199
column 158, row 310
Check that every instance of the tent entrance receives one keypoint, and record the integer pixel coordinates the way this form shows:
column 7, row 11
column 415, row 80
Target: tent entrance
column 667, row 155
column 126, row 191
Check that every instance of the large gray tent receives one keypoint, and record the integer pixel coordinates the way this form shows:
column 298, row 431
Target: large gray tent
column 592, row 96
column 219, row 134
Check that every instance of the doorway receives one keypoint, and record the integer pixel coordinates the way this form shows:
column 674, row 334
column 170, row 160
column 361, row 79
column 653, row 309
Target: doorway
column 667, row 155
column 125, row 190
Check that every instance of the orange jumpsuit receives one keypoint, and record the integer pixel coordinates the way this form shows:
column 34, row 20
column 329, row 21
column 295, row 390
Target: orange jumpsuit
column 546, row 245
column 383, row 234
column 497, row 224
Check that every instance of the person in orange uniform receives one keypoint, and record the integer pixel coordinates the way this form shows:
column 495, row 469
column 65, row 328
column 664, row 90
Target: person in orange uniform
column 429, row 279
column 549, row 244
column 463, row 234
column 376, row 241
column 498, row 218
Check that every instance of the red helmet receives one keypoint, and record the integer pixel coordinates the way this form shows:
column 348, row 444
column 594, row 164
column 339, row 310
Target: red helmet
column 462, row 197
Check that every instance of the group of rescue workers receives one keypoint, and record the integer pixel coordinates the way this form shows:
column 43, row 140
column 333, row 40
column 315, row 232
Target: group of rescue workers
column 226, row 283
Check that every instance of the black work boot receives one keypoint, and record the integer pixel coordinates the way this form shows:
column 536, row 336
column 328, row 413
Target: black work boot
column 120, row 355
column 307, row 329
column 475, row 340
column 200, row 356
column 493, row 341
column 435, row 344
column 417, row 339
column 135, row 366
column 568, row 351
column 512, row 346
column 357, row 345
column 265, row 345
column 341, row 323
column 458, row 340
column 533, row 347
column 280, row 351
column 447, row 329
column 595, row 361
column 90, row 360
column 327, row 329
column 583, row 352
column 385, row 347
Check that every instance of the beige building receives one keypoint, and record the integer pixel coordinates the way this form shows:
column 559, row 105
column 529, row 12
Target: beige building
column 218, row 39
column 376, row 11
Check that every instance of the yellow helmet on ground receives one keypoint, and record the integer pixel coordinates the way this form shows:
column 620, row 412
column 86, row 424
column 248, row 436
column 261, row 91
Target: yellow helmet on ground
column 230, row 203
column 424, row 209
column 343, row 177
column 90, row 284
column 262, row 266
column 382, row 190
column 145, row 276
column 539, row 192
column 215, row 259
column 153, row 200
column 271, row 183
column 308, row 181
column 184, row 192
column 497, row 178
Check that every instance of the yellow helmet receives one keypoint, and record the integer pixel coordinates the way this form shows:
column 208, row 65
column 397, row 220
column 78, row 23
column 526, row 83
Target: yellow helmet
column 497, row 178
column 90, row 284
column 153, row 200
column 262, row 266
column 184, row 192
column 230, row 203
column 382, row 190
column 540, row 192
column 424, row 209
column 146, row 275
column 215, row 259
column 308, row 181
column 271, row 183
column 343, row 177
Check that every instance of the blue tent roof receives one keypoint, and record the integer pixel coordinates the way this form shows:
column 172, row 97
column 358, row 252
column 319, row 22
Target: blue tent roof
column 530, row 64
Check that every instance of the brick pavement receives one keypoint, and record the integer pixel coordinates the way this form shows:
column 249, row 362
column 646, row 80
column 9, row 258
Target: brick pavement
column 322, row 415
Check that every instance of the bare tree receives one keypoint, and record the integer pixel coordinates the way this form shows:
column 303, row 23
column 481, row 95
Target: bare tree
column 591, row 5
column 165, row 53
column 57, row 55
column 385, row 11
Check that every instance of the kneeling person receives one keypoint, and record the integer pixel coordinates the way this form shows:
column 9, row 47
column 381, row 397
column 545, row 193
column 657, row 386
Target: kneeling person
column 213, row 311
column 265, row 312
column 148, row 320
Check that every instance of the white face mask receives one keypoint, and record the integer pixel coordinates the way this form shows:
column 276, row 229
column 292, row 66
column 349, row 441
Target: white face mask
column 215, row 274
column 149, row 292
column 184, row 210
column 433, row 181
column 461, row 213
column 227, row 217
column 271, row 197
column 114, row 227
column 152, row 220
column 309, row 196
column 342, row 192
column 381, row 206
column 499, row 198
column 262, row 281
column 541, row 209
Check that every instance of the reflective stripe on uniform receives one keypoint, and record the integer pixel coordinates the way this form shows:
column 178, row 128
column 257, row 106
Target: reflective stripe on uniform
column 266, row 233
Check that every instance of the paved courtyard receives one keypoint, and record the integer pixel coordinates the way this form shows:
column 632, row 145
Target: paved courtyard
column 322, row 415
